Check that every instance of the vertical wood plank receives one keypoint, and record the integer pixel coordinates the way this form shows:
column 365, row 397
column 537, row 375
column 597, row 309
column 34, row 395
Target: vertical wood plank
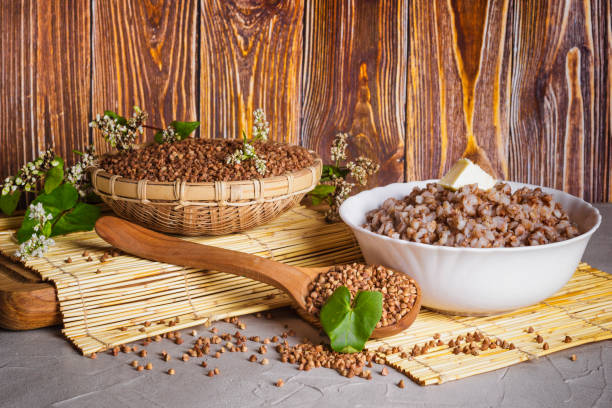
column 355, row 79
column 606, row 112
column 251, row 57
column 145, row 54
column 601, row 12
column 45, row 83
column 17, row 83
column 458, row 84
column 63, row 81
column 555, row 135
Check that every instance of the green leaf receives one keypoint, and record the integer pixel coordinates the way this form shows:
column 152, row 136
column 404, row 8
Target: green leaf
column 61, row 199
column 8, row 202
column 46, row 230
column 350, row 326
column 184, row 129
column 331, row 172
column 120, row 119
column 158, row 137
column 82, row 218
column 54, row 176
column 321, row 192
column 27, row 228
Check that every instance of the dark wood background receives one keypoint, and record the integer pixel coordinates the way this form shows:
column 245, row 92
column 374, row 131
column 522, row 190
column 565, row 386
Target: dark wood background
column 410, row 80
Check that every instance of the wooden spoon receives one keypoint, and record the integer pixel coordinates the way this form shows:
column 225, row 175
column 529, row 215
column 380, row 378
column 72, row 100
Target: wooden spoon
column 144, row 243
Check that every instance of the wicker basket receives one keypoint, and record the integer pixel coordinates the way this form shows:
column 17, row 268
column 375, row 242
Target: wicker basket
column 213, row 208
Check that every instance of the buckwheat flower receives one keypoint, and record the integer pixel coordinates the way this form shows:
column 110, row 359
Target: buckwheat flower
column 77, row 174
column 37, row 212
column 338, row 149
column 341, row 193
column 248, row 150
column 260, row 165
column 343, row 190
column 121, row 136
column 29, row 174
column 361, row 168
column 234, row 158
column 138, row 118
column 36, row 246
column 169, row 135
column 261, row 128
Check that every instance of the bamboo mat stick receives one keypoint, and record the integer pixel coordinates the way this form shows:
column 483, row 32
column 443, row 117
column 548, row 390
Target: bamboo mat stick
column 132, row 307
column 196, row 301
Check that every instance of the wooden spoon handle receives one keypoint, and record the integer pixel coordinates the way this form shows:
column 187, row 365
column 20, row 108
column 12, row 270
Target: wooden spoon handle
column 144, row 243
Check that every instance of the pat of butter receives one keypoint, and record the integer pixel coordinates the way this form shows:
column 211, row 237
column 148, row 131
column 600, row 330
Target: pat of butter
column 464, row 172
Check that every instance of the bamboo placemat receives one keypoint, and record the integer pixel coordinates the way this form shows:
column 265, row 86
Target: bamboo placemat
column 582, row 309
column 130, row 291
column 107, row 304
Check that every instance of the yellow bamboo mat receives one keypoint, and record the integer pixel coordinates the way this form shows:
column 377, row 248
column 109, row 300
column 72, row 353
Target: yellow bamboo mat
column 582, row 310
column 107, row 304
column 129, row 291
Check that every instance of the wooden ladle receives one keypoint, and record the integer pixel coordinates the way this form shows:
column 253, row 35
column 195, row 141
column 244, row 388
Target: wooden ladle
column 144, row 243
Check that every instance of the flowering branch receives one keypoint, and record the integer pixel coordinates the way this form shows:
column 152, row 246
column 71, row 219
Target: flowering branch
column 27, row 176
column 118, row 131
column 39, row 242
column 77, row 174
column 57, row 209
column 261, row 129
column 334, row 187
column 122, row 133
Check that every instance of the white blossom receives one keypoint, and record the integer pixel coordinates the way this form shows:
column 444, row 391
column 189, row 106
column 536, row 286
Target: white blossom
column 361, row 168
column 117, row 135
column 77, row 174
column 261, row 128
column 36, row 246
column 338, row 149
column 260, row 131
column 260, row 165
column 234, row 158
column 169, row 135
column 28, row 175
column 37, row 212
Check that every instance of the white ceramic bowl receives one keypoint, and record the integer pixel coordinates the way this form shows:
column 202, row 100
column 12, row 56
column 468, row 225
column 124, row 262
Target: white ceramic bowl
column 474, row 281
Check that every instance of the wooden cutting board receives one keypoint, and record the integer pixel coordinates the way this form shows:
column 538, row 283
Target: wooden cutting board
column 26, row 302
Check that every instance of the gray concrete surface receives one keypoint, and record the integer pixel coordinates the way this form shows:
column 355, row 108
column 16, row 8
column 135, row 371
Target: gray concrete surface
column 39, row 368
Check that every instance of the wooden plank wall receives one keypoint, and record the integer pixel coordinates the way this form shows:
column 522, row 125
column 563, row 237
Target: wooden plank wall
column 145, row 54
column 411, row 80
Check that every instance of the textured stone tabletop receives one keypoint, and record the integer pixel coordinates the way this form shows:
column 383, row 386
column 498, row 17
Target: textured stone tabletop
column 39, row 368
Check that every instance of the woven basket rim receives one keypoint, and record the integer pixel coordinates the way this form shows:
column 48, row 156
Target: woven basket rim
column 211, row 193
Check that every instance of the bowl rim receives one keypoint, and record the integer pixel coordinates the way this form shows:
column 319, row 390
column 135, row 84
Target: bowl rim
column 586, row 234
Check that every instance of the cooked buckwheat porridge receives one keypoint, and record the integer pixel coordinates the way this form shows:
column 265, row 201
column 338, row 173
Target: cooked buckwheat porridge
column 471, row 217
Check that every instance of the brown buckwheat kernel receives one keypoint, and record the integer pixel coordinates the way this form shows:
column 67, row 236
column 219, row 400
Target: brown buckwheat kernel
column 399, row 291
